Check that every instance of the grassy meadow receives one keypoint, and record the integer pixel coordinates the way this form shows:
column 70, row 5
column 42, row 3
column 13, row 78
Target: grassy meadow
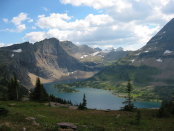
column 86, row 120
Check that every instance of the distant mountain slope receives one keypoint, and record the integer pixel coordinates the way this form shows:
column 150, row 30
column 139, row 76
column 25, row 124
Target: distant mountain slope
column 46, row 59
column 116, row 54
column 151, row 68
column 76, row 51
column 85, row 53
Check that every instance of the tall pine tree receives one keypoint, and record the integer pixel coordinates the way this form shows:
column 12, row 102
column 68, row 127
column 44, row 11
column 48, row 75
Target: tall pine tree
column 39, row 93
column 82, row 106
column 129, row 106
column 13, row 89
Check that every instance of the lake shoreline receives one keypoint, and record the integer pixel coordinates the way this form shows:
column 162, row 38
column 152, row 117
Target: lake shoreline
column 97, row 98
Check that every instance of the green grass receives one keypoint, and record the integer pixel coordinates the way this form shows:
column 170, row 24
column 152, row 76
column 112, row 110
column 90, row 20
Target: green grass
column 88, row 120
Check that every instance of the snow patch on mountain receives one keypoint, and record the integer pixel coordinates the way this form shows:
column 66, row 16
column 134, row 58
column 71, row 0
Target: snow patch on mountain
column 84, row 56
column 167, row 52
column 17, row 50
column 137, row 54
column 146, row 51
column 133, row 60
column 95, row 53
column 12, row 55
column 164, row 32
column 71, row 73
column 159, row 60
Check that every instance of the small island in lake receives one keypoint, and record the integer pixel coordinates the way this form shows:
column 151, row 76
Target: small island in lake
column 65, row 88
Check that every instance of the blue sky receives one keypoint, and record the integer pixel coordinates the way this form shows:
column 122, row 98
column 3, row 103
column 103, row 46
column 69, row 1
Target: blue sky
column 98, row 23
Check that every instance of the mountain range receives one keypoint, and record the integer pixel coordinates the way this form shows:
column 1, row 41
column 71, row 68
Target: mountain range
column 49, row 59
column 150, row 68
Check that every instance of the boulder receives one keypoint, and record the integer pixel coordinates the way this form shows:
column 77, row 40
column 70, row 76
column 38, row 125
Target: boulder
column 12, row 104
column 33, row 120
column 30, row 118
column 67, row 125
column 73, row 107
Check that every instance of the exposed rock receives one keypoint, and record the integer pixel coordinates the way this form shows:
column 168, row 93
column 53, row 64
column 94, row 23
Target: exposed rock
column 33, row 120
column 24, row 129
column 12, row 104
column 35, row 123
column 30, row 118
column 73, row 107
column 67, row 125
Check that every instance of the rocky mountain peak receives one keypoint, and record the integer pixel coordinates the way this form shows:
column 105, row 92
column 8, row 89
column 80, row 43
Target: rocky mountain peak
column 119, row 49
column 164, row 38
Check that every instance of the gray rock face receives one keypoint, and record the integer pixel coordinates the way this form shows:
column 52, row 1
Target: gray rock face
column 55, row 55
column 46, row 59
column 164, row 38
column 77, row 51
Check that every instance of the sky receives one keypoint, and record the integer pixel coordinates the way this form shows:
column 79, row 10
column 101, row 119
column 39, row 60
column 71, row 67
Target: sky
column 97, row 23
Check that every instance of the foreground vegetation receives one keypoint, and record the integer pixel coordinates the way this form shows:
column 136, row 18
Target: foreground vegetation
column 86, row 120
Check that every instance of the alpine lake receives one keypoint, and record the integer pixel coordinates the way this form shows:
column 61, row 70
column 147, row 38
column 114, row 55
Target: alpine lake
column 99, row 99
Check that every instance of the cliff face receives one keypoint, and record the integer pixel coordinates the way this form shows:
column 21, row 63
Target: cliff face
column 46, row 59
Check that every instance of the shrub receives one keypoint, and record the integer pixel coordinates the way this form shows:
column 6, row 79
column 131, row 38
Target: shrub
column 3, row 111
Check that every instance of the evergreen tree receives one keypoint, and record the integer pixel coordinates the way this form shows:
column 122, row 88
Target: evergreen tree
column 82, row 106
column 167, row 108
column 129, row 106
column 13, row 89
column 39, row 93
column 84, row 101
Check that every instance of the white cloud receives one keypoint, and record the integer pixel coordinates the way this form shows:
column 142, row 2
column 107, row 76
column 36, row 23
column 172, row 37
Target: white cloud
column 5, row 20
column 169, row 7
column 126, row 23
column 144, row 33
column 135, row 21
column 35, row 36
column 60, row 26
column 52, row 21
column 30, row 20
column 21, row 27
column 45, row 9
column 61, row 21
column 100, row 30
column 97, row 4
column 33, row 27
column 20, row 18
column 2, row 44
column 18, row 22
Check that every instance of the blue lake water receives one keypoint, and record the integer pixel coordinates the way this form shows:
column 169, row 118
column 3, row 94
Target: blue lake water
column 96, row 98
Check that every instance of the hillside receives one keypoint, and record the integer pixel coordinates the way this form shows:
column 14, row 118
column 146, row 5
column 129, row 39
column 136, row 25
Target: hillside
column 150, row 68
